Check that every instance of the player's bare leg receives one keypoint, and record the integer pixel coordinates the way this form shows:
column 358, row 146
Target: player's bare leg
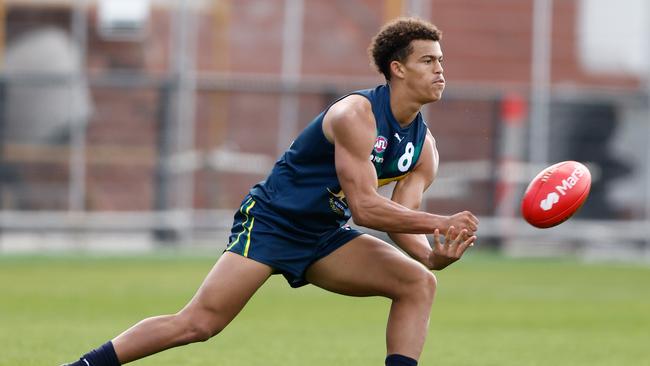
column 227, row 288
column 367, row 266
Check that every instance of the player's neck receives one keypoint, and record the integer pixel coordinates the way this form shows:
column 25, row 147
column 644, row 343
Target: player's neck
column 404, row 109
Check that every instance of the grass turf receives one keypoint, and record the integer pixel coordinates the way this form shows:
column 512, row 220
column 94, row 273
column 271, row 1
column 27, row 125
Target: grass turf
column 488, row 311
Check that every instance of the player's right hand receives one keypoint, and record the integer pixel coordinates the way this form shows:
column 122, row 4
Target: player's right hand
column 444, row 254
column 461, row 221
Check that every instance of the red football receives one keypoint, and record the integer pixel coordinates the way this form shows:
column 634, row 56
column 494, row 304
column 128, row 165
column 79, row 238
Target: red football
column 556, row 193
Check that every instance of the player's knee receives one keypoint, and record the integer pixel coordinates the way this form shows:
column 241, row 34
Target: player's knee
column 430, row 284
column 200, row 328
column 200, row 332
column 425, row 286
column 420, row 284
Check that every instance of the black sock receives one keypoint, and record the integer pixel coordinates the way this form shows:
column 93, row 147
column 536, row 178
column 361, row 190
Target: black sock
column 399, row 360
column 102, row 356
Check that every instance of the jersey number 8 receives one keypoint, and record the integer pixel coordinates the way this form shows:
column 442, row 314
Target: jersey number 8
column 405, row 161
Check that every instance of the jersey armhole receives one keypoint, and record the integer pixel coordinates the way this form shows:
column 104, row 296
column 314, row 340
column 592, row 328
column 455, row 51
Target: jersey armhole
column 338, row 100
column 419, row 153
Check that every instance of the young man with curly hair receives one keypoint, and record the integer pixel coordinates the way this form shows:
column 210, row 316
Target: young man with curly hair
column 294, row 222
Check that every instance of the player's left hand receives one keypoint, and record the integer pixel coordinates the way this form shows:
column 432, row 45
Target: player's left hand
column 451, row 250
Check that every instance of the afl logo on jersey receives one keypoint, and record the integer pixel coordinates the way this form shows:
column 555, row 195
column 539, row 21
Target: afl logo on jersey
column 380, row 144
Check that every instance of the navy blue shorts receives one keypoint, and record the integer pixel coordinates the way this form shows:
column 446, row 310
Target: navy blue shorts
column 259, row 235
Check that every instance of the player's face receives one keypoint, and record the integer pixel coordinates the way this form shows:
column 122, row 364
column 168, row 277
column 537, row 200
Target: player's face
column 423, row 71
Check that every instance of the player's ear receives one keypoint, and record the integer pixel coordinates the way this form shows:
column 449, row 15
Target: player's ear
column 397, row 69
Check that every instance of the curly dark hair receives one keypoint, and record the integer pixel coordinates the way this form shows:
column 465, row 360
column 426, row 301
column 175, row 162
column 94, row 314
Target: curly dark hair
column 393, row 42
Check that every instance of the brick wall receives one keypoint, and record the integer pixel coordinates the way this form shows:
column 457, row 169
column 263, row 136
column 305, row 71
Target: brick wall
column 486, row 43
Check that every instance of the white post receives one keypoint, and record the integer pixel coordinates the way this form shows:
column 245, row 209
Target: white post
column 291, row 65
column 419, row 8
column 540, row 81
column 77, row 183
column 186, row 49
column 647, row 88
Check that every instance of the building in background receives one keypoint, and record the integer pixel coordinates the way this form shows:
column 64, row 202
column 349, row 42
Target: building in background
column 179, row 107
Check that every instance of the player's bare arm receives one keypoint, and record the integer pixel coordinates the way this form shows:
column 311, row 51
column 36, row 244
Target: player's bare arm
column 350, row 125
column 409, row 192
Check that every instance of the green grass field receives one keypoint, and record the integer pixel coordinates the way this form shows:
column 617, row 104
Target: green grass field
column 489, row 311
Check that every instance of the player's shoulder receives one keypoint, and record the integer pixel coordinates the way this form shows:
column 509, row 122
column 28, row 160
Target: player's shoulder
column 350, row 115
column 353, row 105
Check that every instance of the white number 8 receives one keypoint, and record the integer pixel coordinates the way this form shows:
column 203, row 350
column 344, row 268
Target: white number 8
column 404, row 162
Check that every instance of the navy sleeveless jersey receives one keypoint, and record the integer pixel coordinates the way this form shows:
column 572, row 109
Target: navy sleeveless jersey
column 303, row 190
